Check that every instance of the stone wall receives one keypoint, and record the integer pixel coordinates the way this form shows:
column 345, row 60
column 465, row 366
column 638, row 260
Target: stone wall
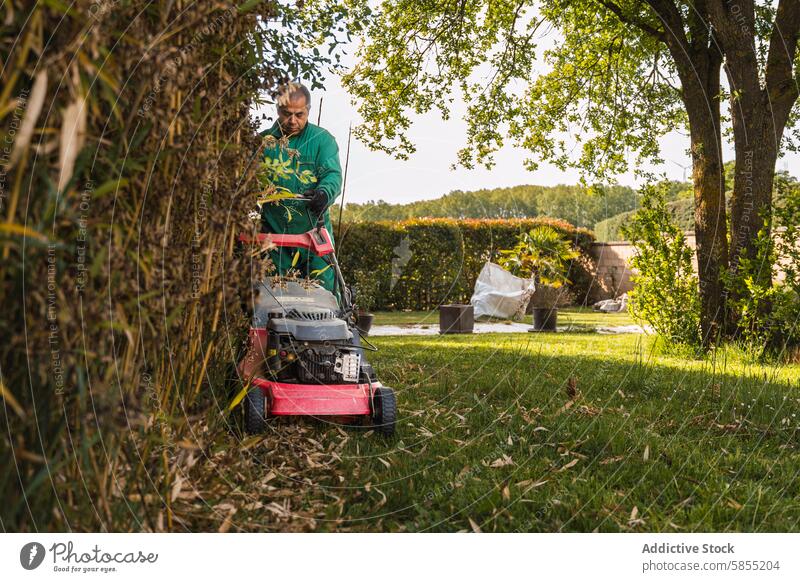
column 613, row 274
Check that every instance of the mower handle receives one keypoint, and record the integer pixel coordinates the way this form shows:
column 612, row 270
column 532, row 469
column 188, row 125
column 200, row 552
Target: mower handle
column 316, row 240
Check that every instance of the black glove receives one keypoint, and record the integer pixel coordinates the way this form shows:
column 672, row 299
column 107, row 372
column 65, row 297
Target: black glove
column 317, row 201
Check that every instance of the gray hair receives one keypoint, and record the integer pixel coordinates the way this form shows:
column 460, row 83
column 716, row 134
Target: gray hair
column 290, row 90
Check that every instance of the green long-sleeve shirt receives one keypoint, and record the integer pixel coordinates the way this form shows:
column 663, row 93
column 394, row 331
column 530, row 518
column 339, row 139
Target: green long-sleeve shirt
column 318, row 153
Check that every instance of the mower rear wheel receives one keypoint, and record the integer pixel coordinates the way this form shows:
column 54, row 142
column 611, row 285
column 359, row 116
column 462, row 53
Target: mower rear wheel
column 255, row 411
column 384, row 411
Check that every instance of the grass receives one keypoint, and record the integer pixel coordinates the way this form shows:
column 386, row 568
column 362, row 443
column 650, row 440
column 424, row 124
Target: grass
column 575, row 432
column 577, row 318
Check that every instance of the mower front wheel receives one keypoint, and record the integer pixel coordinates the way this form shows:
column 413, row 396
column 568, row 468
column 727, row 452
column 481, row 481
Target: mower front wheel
column 255, row 411
column 384, row 411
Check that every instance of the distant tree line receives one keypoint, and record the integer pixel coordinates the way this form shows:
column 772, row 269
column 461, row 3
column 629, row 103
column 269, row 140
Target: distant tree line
column 580, row 206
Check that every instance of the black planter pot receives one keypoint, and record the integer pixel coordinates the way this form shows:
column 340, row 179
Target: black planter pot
column 544, row 318
column 456, row 318
column 364, row 322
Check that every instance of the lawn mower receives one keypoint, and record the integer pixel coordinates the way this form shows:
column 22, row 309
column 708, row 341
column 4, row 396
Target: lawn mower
column 305, row 356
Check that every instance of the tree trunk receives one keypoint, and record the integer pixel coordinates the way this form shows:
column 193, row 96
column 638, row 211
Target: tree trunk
column 756, row 143
column 700, row 95
column 760, row 108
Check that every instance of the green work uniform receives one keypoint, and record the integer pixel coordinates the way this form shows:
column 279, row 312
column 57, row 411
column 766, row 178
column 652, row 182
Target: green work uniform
column 318, row 153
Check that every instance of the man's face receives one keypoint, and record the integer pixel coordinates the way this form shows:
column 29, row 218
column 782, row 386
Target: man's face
column 293, row 115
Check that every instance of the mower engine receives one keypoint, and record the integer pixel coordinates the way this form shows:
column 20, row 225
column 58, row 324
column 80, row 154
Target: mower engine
column 307, row 340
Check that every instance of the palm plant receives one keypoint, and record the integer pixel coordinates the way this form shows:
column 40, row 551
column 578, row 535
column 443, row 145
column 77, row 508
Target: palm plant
column 541, row 254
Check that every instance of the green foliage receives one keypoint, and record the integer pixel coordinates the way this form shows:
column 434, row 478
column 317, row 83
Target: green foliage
column 367, row 288
column 768, row 308
column 577, row 205
column 541, row 254
column 754, row 296
column 421, row 263
column 665, row 286
column 609, row 86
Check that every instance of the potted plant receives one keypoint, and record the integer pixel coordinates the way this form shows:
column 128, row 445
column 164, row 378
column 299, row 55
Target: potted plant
column 544, row 256
column 366, row 296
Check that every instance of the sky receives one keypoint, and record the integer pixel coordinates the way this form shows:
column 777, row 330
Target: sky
column 427, row 173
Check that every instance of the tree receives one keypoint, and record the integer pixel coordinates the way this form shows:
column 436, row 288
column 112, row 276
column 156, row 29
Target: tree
column 622, row 75
column 760, row 46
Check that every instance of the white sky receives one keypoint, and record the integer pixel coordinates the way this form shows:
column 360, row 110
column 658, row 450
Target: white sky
column 427, row 174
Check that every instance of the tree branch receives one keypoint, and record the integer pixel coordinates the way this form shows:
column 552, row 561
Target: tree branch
column 675, row 34
column 782, row 51
column 634, row 21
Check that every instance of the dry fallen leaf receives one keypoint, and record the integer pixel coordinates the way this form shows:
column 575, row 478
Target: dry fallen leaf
column 566, row 407
column 569, row 465
column 474, row 526
column 634, row 519
column 501, row 462
column 73, row 128
column 734, row 504
column 646, row 455
column 572, row 387
column 176, row 487
column 226, row 523
column 610, row 460
column 32, row 111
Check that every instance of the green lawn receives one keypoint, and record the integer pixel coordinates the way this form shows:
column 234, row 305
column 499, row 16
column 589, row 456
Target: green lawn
column 578, row 318
column 504, row 432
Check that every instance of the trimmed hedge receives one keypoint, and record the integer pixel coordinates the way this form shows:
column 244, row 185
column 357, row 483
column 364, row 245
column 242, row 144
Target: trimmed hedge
column 423, row 263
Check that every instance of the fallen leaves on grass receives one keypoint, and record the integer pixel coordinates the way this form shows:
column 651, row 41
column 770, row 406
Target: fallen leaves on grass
column 503, row 461
column 285, row 480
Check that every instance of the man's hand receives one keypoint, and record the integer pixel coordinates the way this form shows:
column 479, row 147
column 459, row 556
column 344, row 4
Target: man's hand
column 317, row 201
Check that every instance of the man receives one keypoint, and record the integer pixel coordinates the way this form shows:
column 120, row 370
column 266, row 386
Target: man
column 314, row 171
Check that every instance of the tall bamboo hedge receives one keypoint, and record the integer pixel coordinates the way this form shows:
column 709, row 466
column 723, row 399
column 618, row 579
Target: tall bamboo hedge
column 422, row 263
column 126, row 142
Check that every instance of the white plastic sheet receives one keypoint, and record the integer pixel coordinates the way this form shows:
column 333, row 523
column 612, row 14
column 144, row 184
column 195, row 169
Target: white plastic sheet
column 498, row 293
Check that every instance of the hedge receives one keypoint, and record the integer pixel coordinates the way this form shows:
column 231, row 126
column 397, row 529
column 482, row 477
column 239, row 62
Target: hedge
column 422, row 263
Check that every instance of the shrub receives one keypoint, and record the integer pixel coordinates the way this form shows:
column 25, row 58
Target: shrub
column 366, row 290
column 421, row 263
column 665, row 293
column 767, row 309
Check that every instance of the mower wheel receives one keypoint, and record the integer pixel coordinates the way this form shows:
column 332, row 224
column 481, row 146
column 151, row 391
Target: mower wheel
column 255, row 411
column 384, row 411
